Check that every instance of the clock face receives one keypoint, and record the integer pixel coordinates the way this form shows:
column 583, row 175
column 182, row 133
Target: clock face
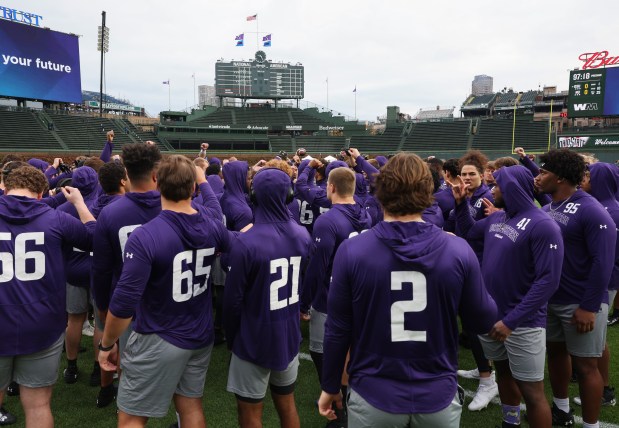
column 260, row 56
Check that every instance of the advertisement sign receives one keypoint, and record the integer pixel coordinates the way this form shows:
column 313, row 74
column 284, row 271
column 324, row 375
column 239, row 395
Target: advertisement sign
column 588, row 141
column 39, row 64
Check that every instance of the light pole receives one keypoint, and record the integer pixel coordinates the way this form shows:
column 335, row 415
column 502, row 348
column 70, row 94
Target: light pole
column 103, row 47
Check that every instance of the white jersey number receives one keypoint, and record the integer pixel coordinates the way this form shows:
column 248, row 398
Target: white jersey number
column 123, row 237
column 306, row 215
column 14, row 265
column 417, row 303
column 281, row 265
column 183, row 287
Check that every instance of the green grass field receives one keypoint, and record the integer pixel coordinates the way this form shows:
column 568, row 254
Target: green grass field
column 74, row 405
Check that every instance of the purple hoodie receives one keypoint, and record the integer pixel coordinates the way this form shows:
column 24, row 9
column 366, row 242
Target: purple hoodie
column 604, row 187
column 217, row 185
column 523, row 251
column 33, row 290
column 236, row 210
column 261, row 299
column 394, row 301
column 330, row 230
column 39, row 164
column 589, row 236
column 79, row 262
column 164, row 280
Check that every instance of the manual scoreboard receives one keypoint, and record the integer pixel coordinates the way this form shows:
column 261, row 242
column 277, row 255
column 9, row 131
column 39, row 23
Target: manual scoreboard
column 259, row 79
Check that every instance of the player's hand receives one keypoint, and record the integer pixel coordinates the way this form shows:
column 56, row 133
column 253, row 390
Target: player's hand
column 204, row 146
column 73, row 195
column 489, row 207
column 354, row 153
column 459, row 189
column 150, row 143
column 325, row 404
column 500, row 331
column 520, row 152
column 57, row 162
column 110, row 136
column 305, row 316
column 200, row 176
column 116, row 158
column 584, row 320
column 108, row 360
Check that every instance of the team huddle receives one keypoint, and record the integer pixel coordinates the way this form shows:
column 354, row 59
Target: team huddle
column 387, row 259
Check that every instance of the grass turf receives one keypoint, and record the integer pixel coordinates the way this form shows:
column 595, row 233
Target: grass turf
column 74, row 405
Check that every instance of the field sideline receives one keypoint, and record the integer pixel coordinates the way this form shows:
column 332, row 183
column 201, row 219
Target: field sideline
column 74, row 405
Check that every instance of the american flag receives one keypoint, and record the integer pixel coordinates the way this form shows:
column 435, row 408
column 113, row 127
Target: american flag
column 252, row 18
column 167, row 82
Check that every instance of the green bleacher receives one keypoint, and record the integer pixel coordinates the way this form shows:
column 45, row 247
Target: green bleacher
column 496, row 135
column 439, row 136
column 321, row 145
column 22, row 131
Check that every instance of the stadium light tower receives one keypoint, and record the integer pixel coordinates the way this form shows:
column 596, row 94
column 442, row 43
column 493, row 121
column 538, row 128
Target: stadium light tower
column 102, row 46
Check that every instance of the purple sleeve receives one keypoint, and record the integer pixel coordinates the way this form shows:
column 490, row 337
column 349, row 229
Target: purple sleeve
column 314, row 195
column 338, row 327
column 600, row 238
column 50, row 172
column 323, row 237
column 54, row 180
column 547, row 249
column 76, row 233
column 134, row 277
column 54, row 201
column 478, row 311
column 367, row 167
column 236, row 283
column 106, row 153
column 210, row 202
column 465, row 226
column 530, row 165
column 102, row 266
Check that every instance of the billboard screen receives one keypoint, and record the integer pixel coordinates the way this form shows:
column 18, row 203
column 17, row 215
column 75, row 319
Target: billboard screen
column 40, row 64
column 594, row 93
column 253, row 79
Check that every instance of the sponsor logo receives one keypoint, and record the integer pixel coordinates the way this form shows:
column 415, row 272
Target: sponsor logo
column 219, row 126
column 553, row 246
column 585, row 106
column 570, row 142
column 330, row 128
column 605, row 142
column 261, row 128
column 294, row 127
column 598, row 60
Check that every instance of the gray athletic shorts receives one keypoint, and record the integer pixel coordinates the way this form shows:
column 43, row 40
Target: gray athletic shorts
column 218, row 276
column 560, row 329
column 154, row 370
column 362, row 414
column 36, row 370
column 249, row 380
column 525, row 349
column 611, row 297
column 77, row 299
column 317, row 330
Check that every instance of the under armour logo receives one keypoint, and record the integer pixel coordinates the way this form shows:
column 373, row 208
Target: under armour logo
column 129, row 255
column 553, row 246
column 229, row 268
column 603, row 226
column 317, row 239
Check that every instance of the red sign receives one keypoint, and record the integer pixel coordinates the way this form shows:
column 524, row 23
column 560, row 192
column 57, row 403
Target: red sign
column 598, row 59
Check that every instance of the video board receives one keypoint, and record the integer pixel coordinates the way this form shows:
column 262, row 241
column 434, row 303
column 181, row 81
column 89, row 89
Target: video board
column 39, row 64
column 594, row 93
column 254, row 79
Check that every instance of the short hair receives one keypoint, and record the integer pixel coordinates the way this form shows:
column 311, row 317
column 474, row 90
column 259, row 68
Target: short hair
column 140, row 160
column 94, row 162
column 474, row 158
column 110, row 175
column 281, row 165
column 11, row 166
column 404, row 185
column 436, row 179
column 452, row 166
column 435, row 164
column 26, row 177
column 374, row 163
column 505, row 161
column 176, row 177
column 344, row 180
column 213, row 169
column 12, row 158
column 565, row 163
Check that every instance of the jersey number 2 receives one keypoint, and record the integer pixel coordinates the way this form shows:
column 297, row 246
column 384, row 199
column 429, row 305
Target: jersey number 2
column 417, row 303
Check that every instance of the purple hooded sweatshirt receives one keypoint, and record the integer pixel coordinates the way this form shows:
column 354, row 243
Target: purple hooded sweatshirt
column 236, row 210
column 394, row 301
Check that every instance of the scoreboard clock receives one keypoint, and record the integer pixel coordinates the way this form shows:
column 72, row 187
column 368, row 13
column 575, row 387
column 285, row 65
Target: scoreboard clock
column 259, row 79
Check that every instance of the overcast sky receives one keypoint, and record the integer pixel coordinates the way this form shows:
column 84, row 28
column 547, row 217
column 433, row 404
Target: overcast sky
column 410, row 53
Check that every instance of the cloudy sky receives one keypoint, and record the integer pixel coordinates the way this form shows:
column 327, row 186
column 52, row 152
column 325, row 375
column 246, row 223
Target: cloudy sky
column 410, row 53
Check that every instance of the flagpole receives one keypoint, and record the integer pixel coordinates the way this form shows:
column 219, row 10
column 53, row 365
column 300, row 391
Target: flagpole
column 169, row 103
column 327, row 93
column 194, row 89
column 257, row 34
column 355, row 102
column 514, row 129
column 550, row 124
